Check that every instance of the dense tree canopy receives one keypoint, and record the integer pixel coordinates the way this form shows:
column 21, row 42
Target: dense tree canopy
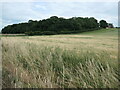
column 55, row 25
column 103, row 24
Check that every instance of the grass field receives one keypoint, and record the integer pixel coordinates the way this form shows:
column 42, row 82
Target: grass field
column 85, row 60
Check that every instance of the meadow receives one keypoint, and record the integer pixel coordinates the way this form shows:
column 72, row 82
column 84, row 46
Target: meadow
column 85, row 60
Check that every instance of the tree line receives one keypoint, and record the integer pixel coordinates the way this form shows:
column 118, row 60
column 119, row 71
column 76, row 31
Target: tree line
column 55, row 25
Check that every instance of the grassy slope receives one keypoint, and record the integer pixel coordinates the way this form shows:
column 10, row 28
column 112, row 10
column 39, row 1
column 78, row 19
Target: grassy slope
column 84, row 60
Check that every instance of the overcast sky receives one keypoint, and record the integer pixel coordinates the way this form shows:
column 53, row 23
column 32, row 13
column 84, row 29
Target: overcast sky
column 17, row 12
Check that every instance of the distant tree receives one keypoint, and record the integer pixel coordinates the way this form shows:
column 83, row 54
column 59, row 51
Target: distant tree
column 110, row 25
column 30, row 21
column 54, row 25
column 103, row 24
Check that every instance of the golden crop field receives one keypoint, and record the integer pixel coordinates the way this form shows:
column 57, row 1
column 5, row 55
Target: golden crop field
column 85, row 60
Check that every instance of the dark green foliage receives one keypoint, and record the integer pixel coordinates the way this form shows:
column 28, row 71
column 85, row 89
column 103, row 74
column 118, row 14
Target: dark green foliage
column 110, row 25
column 40, row 33
column 103, row 24
column 53, row 25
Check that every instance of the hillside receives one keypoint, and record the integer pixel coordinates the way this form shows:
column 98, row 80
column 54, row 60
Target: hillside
column 84, row 60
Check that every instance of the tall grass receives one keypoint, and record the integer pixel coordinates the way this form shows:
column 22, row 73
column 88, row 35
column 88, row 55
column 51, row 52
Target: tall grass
column 31, row 65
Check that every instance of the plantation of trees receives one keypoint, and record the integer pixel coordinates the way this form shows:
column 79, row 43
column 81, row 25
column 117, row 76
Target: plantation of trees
column 55, row 25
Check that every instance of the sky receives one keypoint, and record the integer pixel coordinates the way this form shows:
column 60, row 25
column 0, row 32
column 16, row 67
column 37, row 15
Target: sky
column 13, row 12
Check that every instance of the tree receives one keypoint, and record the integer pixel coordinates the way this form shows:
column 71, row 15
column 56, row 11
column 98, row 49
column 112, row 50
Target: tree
column 110, row 25
column 54, row 25
column 103, row 24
